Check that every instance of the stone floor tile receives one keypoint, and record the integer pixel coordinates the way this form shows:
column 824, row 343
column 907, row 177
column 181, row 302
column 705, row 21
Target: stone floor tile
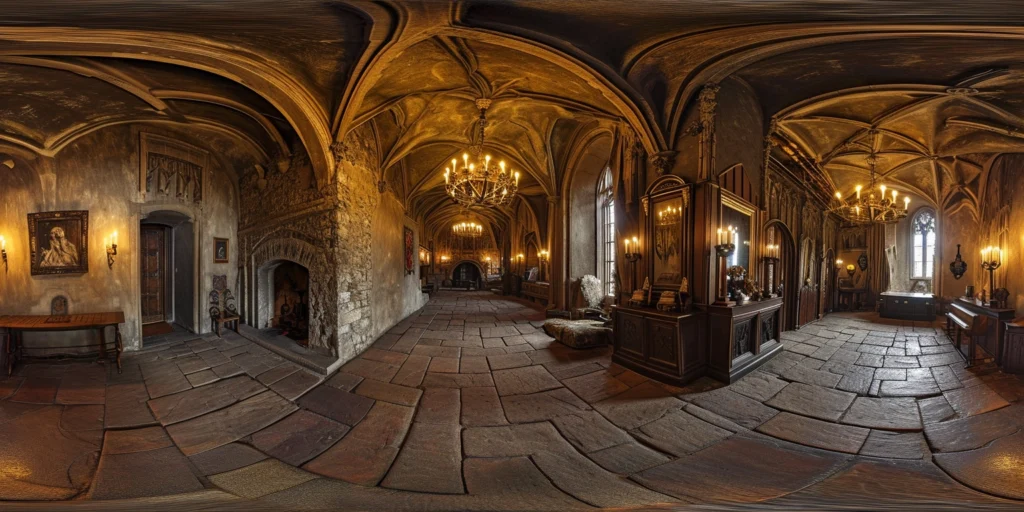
column 37, row 390
column 227, row 370
column 975, row 431
column 296, row 384
column 597, row 386
column 261, row 479
column 56, row 465
column 367, row 451
column 638, row 406
column 338, row 405
column 141, row 474
column 165, row 382
column 758, row 385
column 891, row 374
column 77, row 418
column 628, row 458
column 974, row 400
column 470, row 364
column 482, row 407
column 8, row 385
column 935, row 409
column 506, row 361
column 744, row 411
column 813, row 401
column 457, row 380
column 525, row 380
column 430, row 460
column 895, row 445
column 201, row 378
column 276, row 373
column 230, row 424
column 126, row 406
column 368, row 369
column 514, row 482
column 226, row 458
column 393, row 393
column 83, row 385
column 681, row 433
column 384, row 356
column 135, row 440
column 429, row 351
column 412, row 371
column 884, row 414
column 344, row 381
column 987, row 469
column 540, row 406
column 441, row 405
column 588, row 431
column 815, row 433
column 299, row 437
column 197, row 402
column 766, row 469
column 443, row 365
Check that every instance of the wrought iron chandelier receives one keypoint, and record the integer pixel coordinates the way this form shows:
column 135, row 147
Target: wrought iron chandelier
column 867, row 208
column 467, row 229
column 481, row 182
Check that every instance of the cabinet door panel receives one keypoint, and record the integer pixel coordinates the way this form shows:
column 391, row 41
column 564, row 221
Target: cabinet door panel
column 663, row 344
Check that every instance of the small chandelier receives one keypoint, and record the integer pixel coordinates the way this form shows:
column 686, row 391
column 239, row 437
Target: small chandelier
column 467, row 229
column 670, row 216
column 867, row 208
column 480, row 183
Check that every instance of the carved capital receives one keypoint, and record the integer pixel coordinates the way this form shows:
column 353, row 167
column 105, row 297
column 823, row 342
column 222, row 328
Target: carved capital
column 341, row 152
column 382, row 185
column 708, row 100
column 662, row 161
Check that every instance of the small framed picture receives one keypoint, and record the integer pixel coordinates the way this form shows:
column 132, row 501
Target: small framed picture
column 220, row 250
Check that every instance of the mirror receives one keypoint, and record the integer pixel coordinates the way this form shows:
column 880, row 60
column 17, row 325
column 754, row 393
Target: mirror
column 741, row 221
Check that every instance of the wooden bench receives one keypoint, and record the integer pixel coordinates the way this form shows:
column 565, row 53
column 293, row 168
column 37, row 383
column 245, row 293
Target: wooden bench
column 963, row 321
column 222, row 306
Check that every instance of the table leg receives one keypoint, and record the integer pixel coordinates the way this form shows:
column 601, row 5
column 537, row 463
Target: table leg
column 118, row 346
column 971, row 352
column 103, row 342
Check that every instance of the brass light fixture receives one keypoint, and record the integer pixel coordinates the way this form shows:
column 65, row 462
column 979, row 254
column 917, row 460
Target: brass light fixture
column 480, row 182
column 467, row 229
column 865, row 207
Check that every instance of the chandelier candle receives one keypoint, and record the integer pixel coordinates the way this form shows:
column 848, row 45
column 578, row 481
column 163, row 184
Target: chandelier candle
column 723, row 250
column 632, row 256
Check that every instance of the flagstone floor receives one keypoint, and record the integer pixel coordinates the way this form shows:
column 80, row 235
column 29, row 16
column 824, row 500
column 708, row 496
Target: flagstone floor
column 467, row 404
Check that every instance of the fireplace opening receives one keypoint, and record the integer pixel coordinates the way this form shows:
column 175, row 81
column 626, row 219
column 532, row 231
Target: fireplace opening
column 290, row 314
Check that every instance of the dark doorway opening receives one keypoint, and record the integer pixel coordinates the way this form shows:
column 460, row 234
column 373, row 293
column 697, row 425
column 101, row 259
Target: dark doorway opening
column 291, row 301
column 167, row 284
column 466, row 275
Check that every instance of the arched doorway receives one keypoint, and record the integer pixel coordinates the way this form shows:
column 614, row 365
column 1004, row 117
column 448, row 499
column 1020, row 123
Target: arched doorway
column 468, row 275
column 786, row 276
column 167, row 270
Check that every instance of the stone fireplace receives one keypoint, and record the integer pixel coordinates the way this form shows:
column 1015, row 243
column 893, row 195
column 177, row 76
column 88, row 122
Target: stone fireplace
column 290, row 312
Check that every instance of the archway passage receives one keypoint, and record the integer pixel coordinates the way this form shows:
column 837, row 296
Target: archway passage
column 467, row 275
column 291, row 301
column 167, row 287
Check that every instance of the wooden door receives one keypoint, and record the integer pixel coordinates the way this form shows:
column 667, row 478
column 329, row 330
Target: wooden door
column 154, row 274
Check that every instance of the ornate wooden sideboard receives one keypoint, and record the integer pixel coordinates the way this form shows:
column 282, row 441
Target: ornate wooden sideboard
column 664, row 346
column 1013, row 349
column 907, row 306
column 743, row 337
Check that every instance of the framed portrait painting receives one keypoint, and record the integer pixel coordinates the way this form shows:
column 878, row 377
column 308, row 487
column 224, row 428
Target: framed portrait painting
column 58, row 242
column 220, row 250
column 410, row 245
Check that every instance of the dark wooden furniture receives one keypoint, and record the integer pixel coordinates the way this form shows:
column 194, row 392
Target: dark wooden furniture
column 1013, row 348
column 965, row 322
column 992, row 340
column 907, row 306
column 668, row 347
column 741, row 338
column 222, row 307
column 851, row 299
column 18, row 324
column 537, row 291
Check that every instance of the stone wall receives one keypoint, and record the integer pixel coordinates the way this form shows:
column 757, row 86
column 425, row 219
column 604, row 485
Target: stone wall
column 395, row 294
column 100, row 173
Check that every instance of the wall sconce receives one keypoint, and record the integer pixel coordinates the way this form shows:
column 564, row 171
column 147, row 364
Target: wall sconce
column 850, row 269
column 991, row 259
column 111, row 244
column 3, row 251
column 958, row 267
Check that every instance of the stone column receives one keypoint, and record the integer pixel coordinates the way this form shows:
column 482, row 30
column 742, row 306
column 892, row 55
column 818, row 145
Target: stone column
column 557, row 259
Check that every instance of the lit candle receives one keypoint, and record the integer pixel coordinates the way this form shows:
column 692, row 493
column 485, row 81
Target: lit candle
column 502, row 165
column 627, row 246
column 839, row 195
column 3, row 243
column 719, row 236
column 883, row 190
column 636, row 243
column 517, row 178
column 894, row 196
column 115, row 237
column 858, row 191
column 906, row 202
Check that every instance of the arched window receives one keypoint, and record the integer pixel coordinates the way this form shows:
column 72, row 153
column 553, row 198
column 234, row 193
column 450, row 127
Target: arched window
column 606, row 231
column 923, row 245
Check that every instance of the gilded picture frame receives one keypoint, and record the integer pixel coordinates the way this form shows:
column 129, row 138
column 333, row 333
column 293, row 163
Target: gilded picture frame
column 59, row 242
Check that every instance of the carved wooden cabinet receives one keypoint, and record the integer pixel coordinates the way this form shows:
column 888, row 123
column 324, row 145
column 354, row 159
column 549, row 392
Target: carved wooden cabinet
column 741, row 338
column 907, row 306
column 668, row 347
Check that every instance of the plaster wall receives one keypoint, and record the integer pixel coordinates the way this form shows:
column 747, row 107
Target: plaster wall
column 739, row 132
column 395, row 294
column 99, row 173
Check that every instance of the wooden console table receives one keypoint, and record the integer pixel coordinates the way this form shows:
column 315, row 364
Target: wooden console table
column 18, row 324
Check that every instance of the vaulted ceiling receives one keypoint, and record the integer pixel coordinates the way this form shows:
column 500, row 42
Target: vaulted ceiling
column 843, row 82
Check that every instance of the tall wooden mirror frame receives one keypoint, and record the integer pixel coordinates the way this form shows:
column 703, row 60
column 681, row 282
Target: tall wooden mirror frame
column 735, row 202
column 664, row 190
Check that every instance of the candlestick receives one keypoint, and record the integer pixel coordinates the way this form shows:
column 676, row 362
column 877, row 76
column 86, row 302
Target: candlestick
column 991, row 259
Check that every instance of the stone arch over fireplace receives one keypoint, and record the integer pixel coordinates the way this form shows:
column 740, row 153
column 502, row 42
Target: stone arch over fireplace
column 268, row 255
